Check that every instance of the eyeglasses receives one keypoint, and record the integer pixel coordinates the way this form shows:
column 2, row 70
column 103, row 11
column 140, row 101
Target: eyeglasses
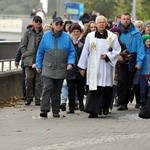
column 59, row 23
column 37, row 20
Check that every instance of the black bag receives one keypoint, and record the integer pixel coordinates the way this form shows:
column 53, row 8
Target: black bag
column 145, row 111
column 132, row 62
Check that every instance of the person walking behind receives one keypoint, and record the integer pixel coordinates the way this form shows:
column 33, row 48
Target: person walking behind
column 146, row 27
column 29, row 46
column 131, row 37
column 64, row 89
column 145, row 72
column 17, row 61
column 75, row 81
column 55, row 56
column 99, row 56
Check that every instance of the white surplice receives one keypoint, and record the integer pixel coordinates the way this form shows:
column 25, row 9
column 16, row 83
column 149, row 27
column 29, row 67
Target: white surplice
column 99, row 72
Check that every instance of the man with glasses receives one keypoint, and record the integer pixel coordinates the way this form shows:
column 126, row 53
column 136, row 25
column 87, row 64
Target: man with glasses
column 29, row 46
column 55, row 56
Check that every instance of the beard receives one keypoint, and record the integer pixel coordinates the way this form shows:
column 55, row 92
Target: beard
column 126, row 27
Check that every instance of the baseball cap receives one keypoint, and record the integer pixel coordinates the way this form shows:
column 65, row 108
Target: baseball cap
column 57, row 19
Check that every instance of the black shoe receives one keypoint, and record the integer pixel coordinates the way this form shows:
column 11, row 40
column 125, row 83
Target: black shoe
column 24, row 98
column 122, row 107
column 56, row 115
column 105, row 111
column 137, row 106
column 92, row 115
column 63, row 107
column 43, row 114
column 28, row 102
column 70, row 112
column 100, row 113
column 37, row 102
column 81, row 107
column 76, row 106
column 116, row 105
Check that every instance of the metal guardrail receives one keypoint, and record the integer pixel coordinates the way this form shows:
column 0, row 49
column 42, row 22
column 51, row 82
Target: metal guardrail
column 8, row 65
column 6, row 16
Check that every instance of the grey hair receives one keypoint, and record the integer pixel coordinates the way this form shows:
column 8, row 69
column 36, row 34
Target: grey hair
column 100, row 16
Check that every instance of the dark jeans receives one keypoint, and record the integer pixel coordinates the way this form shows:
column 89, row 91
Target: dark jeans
column 75, row 86
column 143, row 90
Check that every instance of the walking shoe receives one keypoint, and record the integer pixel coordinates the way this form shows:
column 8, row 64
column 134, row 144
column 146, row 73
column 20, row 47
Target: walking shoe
column 122, row 107
column 76, row 106
column 81, row 106
column 37, row 102
column 105, row 111
column 24, row 98
column 93, row 115
column 28, row 102
column 63, row 107
column 70, row 112
column 43, row 114
column 56, row 115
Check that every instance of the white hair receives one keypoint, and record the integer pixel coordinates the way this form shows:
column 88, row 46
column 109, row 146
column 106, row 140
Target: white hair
column 100, row 16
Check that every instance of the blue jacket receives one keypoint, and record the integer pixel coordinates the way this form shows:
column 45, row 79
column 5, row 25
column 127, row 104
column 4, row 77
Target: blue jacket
column 133, row 41
column 146, row 63
column 54, row 53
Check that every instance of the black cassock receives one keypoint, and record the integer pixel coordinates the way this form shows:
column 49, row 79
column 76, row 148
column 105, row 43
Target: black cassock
column 98, row 100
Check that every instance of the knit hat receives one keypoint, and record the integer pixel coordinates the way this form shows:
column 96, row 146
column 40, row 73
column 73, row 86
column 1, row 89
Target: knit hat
column 76, row 26
column 85, row 21
column 145, row 24
column 116, row 29
column 145, row 37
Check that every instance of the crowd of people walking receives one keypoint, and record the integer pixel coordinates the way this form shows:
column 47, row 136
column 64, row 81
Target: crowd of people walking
column 105, row 61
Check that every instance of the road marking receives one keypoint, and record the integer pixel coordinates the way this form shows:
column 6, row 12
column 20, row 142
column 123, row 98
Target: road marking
column 90, row 141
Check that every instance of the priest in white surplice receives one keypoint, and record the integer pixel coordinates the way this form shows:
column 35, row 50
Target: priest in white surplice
column 98, row 58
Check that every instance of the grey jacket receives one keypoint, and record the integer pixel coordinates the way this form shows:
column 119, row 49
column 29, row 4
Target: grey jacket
column 55, row 64
column 29, row 46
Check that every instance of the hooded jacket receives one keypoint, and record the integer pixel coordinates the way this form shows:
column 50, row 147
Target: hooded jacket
column 133, row 41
